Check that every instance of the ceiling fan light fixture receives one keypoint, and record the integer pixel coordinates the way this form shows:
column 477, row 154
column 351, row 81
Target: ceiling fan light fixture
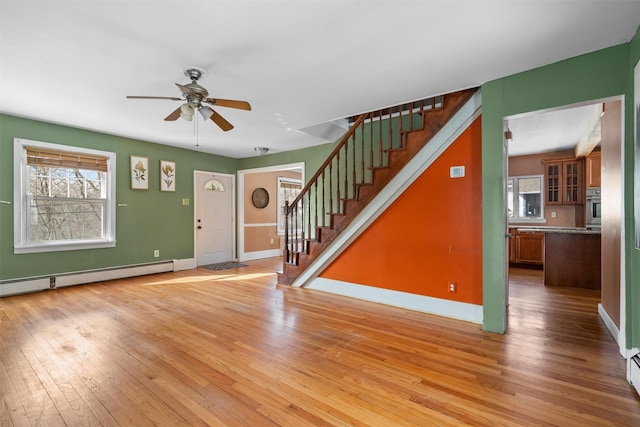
column 186, row 112
column 206, row 112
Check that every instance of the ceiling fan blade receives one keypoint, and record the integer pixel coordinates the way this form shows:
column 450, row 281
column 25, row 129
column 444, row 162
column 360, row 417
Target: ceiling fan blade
column 174, row 115
column 241, row 105
column 155, row 97
column 186, row 90
column 221, row 122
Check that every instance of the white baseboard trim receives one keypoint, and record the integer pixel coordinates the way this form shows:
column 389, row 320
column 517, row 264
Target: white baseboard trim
column 24, row 286
column 441, row 307
column 609, row 323
column 33, row 284
column 270, row 253
column 184, row 264
column 112, row 274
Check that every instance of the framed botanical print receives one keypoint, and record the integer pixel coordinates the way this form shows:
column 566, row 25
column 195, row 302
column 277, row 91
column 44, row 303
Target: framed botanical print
column 139, row 168
column 167, row 175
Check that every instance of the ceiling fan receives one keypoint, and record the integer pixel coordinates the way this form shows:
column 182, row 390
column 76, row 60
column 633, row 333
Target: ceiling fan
column 196, row 97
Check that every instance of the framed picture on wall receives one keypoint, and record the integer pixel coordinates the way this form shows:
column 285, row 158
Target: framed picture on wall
column 167, row 175
column 139, row 168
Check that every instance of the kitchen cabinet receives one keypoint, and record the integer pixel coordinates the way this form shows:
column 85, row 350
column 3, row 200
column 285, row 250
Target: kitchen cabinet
column 593, row 168
column 564, row 181
column 526, row 247
column 573, row 260
column 530, row 248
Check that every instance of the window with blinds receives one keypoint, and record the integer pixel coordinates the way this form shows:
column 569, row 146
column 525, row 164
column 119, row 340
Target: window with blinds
column 67, row 197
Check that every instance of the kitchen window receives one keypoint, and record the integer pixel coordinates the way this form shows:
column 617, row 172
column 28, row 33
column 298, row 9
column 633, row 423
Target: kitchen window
column 64, row 197
column 524, row 199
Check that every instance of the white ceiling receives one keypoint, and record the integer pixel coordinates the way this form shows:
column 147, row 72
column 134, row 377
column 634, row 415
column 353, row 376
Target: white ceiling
column 556, row 130
column 299, row 63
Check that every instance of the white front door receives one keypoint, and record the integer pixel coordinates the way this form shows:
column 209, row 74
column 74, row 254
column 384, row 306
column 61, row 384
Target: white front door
column 214, row 217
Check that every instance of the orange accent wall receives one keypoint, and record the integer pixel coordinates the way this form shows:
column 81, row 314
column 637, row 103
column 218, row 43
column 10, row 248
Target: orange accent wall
column 430, row 236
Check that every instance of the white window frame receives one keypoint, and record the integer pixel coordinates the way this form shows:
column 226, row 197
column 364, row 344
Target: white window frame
column 21, row 244
column 516, row 202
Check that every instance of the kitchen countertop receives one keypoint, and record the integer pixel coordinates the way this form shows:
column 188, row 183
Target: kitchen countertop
column 565, row 230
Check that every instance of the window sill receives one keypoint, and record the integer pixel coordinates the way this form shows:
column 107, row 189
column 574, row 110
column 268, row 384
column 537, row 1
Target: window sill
column 66, row 246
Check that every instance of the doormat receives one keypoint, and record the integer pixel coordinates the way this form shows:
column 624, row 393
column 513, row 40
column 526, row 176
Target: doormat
column 224, row 265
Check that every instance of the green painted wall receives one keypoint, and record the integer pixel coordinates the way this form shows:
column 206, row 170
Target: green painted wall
column 597, row 75
column 312, row 157
column 151, row 220
column 632, row 254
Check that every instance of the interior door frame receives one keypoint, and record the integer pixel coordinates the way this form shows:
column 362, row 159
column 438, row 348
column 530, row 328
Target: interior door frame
column 507, row 235
column 242, row 255
column 620, row 336
column 234, row 242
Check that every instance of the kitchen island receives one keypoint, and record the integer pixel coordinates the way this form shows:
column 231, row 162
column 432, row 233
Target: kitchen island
column 572, row 256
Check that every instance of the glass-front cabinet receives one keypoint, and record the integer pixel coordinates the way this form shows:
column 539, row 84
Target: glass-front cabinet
column 564, row 181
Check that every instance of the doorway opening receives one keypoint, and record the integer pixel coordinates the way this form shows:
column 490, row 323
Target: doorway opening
column 587, row 136
column 260, row 234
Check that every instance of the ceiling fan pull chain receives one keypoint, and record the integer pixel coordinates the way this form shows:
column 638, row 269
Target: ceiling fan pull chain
column 195, row 129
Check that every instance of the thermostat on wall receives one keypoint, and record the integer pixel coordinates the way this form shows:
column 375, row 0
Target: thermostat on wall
column 456, row 171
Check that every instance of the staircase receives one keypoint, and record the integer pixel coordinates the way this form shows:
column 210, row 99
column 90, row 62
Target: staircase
column 376, row 147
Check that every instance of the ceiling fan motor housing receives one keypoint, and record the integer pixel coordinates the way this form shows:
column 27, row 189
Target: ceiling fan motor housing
column 197, row 90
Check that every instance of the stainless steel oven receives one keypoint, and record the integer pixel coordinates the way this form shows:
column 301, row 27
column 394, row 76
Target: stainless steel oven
column 594, row 207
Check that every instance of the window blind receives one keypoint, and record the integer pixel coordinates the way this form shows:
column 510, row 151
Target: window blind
column 51, row 158
column 291, row 185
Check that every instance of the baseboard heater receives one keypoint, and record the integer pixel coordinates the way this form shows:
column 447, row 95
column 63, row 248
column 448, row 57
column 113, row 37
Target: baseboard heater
column 634, row 372
column 33, row 284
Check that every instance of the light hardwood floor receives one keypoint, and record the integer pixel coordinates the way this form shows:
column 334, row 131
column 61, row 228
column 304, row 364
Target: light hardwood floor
column 233, row 348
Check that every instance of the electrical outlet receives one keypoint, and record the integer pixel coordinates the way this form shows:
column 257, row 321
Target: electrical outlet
column 452, row 287
column 272, row 241
column 156, row 253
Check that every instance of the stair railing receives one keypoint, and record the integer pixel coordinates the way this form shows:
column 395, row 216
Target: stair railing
column 363, row 148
